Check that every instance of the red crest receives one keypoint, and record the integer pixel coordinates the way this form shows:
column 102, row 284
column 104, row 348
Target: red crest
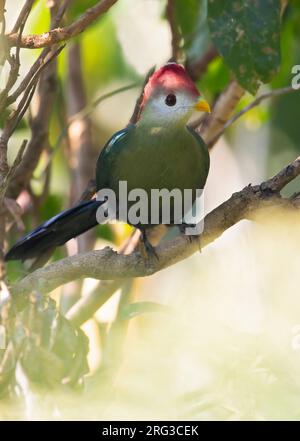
column 171, row 77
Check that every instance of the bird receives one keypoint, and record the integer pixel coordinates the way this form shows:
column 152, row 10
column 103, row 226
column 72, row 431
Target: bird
column 159, row 151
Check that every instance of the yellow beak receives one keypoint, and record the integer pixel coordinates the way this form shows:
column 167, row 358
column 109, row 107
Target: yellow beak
column 202, row 106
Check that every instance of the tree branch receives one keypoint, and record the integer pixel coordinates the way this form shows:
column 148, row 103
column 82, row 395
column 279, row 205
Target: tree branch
column 14, row 59
column 40, row 122
column 175, row 34
column 40, row 61
column 62, row 34
column 107, row 264
column 254, row 103
column 90, row 303
column 222, row 111
column 22, row 16
column 197, row 68
column 137, row 108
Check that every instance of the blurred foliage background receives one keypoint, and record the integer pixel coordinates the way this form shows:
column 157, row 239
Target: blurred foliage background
column 217, row 336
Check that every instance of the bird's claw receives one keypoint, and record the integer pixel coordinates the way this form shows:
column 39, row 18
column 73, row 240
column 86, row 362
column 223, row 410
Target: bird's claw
column 148, row 251
column 190, row 237
column 151, row 251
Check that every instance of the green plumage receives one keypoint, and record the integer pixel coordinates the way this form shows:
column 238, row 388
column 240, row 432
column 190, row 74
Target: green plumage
column 153, row 158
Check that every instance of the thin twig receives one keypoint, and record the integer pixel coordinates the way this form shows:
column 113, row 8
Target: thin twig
column 256, row 102
column 84, row 113
column 39, row 122
column 222, row 111
column 65, row 33
column 18, row 114
column 14, row 60
column 198, row 67
column 176, row 37
column 91, row 107
column 60, row 13
column 17, row 160
column 14, row 209
column 22, row 16
column 137, row 108
column 28, row 77
column 86, row 307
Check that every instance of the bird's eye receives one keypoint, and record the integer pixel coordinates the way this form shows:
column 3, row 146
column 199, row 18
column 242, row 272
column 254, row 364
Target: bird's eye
column 171, row 100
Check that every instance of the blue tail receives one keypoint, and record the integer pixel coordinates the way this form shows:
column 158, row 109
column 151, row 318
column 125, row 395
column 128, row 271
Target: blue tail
column 56, row 231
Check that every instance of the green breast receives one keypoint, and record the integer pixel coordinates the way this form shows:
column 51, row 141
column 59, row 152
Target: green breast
column 153, row 158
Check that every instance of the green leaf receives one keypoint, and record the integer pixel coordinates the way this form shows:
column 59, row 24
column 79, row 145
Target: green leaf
column 190, row 16
column 134, row 309
column 247, row 35
column 216, row 78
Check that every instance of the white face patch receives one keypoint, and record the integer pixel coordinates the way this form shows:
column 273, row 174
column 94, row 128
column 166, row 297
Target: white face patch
column 164, row 108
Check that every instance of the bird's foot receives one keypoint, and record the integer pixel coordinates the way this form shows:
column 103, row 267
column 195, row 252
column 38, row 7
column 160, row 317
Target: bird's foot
column 147, row 250
column 191, row 237
column 266, row 190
